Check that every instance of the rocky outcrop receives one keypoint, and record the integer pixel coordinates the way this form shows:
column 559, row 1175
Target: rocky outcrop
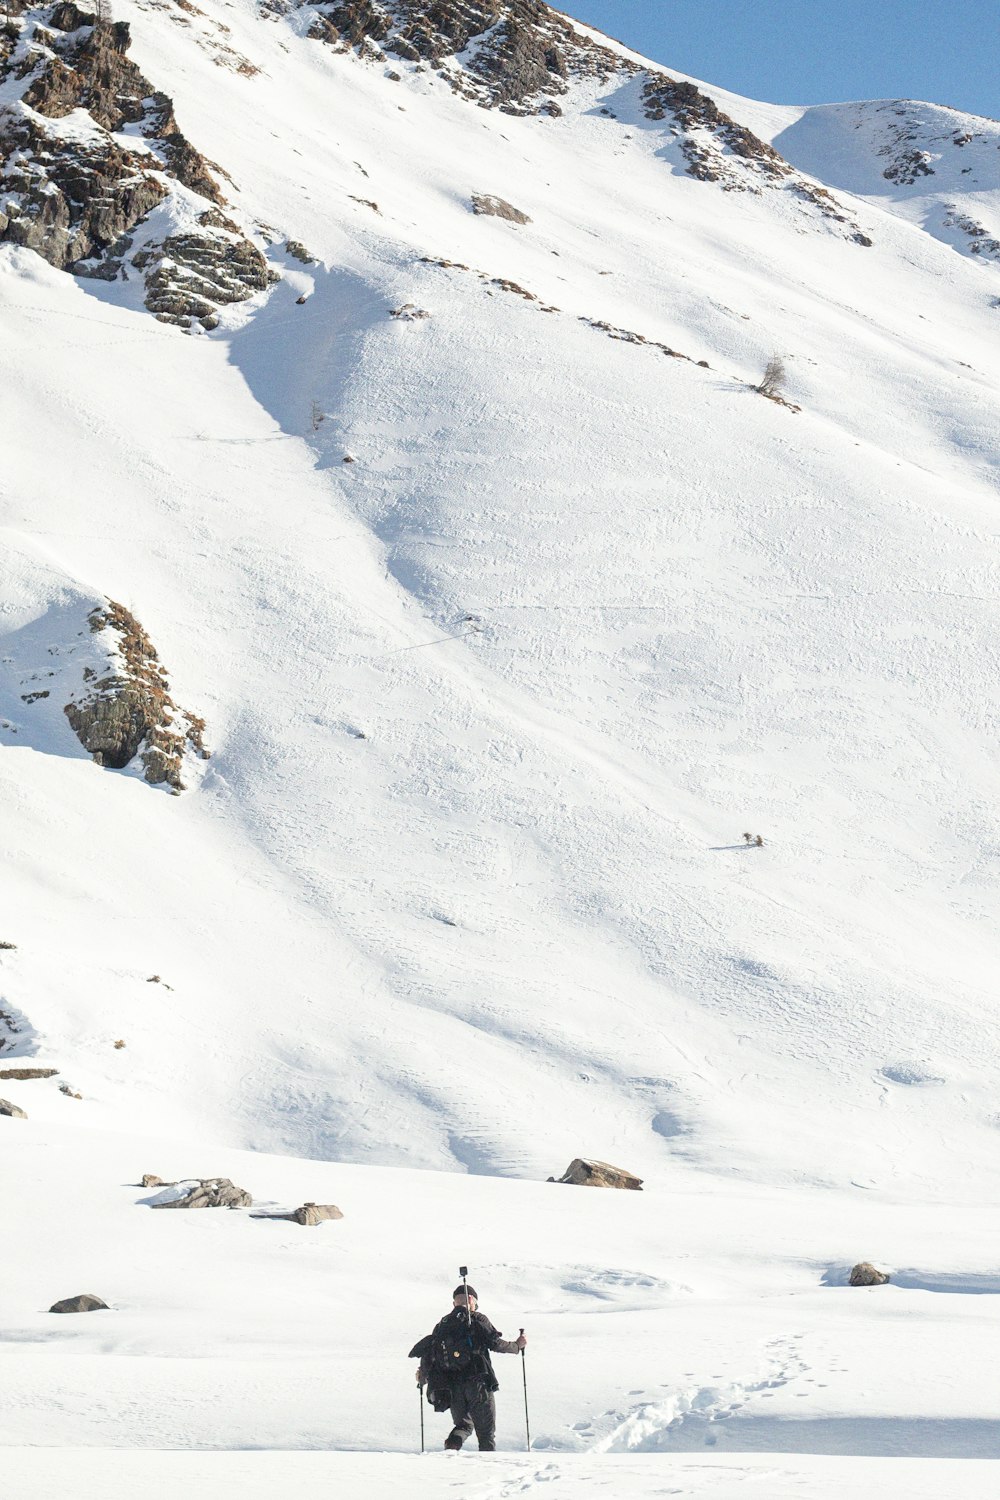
column 316, row 1213
column 516, row 55
column 126, row 711
column 11, row 1026
column 499, row 208
column 309, row 1214
column 706, row 130
column 865, row 1274
column 582, row 1172
column 85, row 1302
column 298, row 252
column 190, row 275
column 25, row 1073
column 206, row 1192
column 409, row 313
column 979, row 239
column 718, row 149
column 81, row 194
column 6, row 1108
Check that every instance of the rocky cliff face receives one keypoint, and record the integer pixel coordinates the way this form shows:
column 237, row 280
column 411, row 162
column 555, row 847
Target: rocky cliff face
column 90, row 149
column 126, row 710
column 516, row 55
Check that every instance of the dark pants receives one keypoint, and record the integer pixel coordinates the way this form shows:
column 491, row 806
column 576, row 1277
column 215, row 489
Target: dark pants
column 473, row 1406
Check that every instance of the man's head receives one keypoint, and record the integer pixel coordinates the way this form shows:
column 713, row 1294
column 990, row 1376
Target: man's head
column 458, row 1297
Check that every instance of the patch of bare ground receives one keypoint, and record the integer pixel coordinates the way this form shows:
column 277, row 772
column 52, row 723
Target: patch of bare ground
column 503, row 284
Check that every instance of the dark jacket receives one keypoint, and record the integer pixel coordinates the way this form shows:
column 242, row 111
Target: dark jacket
column 484, row 1339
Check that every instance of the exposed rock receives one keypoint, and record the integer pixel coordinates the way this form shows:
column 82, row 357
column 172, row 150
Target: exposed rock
column 6, row 1108
column 68, row 199
column 908, row 166
column 128, row 710
column 308, row 1214
column 717, row 149
column 81, row 197
column 207, row 1192
column 150, row 1180
column 23, row 1073
column 69, row 1091
column 696, row 112
column 316, row 1213
column 515, row 54
column 11, row 1026
column 189, row 275
column 584, row 1173
column 85, row 1302
column 981, row 242
column 499, row 208
column 299, row 252
column 409, row 313
column 865, row 1274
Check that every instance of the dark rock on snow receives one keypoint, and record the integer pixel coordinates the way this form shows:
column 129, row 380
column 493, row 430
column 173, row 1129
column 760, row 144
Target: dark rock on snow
column 85, row 1302
column 6, row 1108
column 584, row 1173
column 210, row 1192
column 517, row 54
column 128, row 711
column 499, row 208
column 81, row 201
column 23, row 1073
column 308, row 1214
column 865, row 1274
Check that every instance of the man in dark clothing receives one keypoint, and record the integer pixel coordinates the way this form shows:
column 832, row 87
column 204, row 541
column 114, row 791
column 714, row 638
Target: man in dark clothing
column 455, row 1367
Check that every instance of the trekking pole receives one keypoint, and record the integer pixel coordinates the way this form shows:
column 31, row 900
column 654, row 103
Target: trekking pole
column 420, row 1398
column 524, row 1377
column 463, row 1271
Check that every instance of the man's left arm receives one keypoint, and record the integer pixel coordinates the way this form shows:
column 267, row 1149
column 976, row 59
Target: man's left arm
column 499, row 1345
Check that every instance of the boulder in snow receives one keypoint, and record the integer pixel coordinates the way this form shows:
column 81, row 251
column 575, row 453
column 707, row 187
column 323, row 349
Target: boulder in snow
column 315, row 1213
column 584, row 1173
column 498, row 208
column 23, row 1073
column 202, row 1192
column 865, row 1274
column 85, row 1302
column 308, row 1214
column 6, row 1108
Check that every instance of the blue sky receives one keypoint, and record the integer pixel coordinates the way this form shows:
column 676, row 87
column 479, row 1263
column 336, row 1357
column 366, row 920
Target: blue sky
column 811, row 52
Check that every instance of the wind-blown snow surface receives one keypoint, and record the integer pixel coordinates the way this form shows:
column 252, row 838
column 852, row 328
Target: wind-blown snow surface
column 463, row 884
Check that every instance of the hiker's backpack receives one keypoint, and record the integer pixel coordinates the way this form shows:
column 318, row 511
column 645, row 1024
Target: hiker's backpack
column 453, row 1351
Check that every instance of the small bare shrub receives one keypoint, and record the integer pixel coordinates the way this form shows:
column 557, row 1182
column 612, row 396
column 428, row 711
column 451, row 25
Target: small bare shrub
column 773, row 382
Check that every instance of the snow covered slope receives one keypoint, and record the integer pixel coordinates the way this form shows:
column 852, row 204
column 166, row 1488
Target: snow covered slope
column 509, row 606
column 421, row 882
column 935, row 167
